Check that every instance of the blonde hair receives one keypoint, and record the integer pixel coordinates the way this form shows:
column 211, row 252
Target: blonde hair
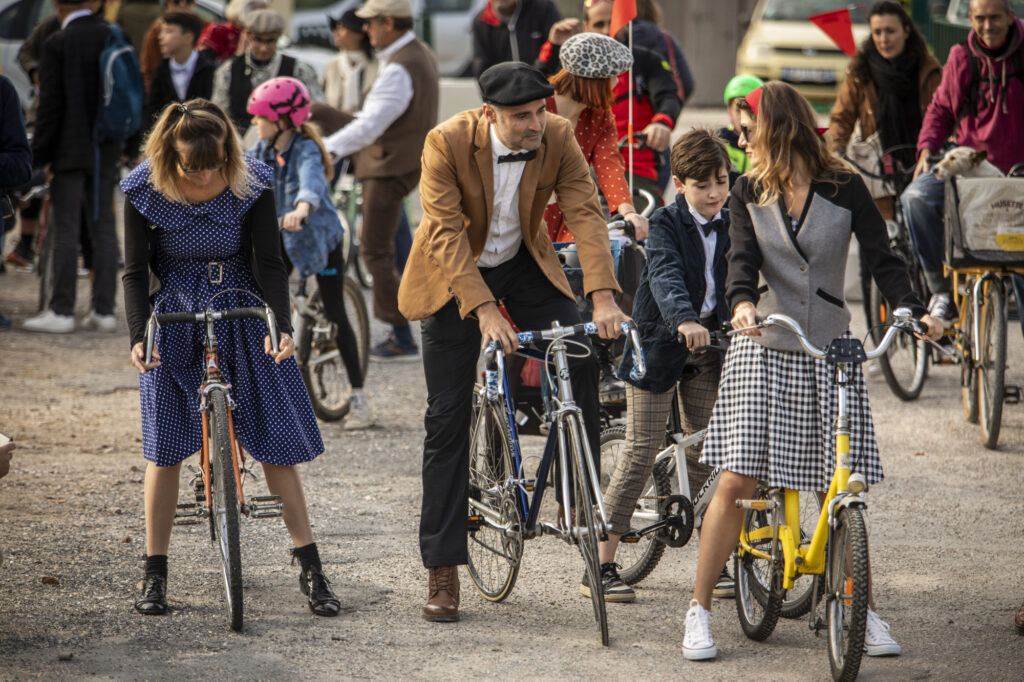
column 312, row 131
column 786, row 129
column 212, row 140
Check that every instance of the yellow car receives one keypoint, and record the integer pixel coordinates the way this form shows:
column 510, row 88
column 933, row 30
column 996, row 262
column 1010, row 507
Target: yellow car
column 781, row 44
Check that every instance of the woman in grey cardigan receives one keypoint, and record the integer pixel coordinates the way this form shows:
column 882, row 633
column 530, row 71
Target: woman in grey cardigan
column 793, row 214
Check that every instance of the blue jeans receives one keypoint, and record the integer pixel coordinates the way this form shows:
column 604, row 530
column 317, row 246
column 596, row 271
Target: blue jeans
column 923, row 208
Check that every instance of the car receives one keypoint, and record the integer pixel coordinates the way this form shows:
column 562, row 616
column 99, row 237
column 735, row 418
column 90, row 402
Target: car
column 781, row 44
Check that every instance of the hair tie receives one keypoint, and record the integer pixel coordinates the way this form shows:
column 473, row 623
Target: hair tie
column 182, row 109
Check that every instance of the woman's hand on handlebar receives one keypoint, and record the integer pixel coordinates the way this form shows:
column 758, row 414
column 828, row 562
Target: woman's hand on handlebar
column 286, row 348
column 138, row 358
column 934, row 327
column 293, row 220
column 641, row 226
column 745, row 315
column 694, row 333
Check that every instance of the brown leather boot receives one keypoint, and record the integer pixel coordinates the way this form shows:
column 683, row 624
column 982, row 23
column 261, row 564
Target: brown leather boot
column 1018, row 620
column 443, row 602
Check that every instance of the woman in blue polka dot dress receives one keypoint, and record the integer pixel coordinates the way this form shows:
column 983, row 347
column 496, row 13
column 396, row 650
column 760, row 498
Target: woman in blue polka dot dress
column 200, row 226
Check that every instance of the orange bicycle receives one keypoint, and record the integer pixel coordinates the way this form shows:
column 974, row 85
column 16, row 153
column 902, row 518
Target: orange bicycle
column 222, row 471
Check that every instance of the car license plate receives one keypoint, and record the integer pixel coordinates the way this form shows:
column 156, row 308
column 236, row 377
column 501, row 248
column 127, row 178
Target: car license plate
column 809, row 75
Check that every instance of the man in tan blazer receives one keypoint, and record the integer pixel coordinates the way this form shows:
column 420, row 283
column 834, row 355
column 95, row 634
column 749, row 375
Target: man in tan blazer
column 487, row 176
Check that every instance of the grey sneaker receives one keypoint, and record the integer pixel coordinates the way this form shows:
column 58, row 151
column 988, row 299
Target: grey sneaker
column 51, row 323
column 360, row 414
column 941, row 306
column 725, row 587
column 614, row 589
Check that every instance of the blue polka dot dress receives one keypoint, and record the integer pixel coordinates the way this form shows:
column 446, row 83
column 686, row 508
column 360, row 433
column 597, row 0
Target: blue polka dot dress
column 199, row 244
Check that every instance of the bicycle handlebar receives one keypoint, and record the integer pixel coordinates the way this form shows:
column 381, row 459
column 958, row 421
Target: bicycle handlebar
column 265, row 314
column 902, row 321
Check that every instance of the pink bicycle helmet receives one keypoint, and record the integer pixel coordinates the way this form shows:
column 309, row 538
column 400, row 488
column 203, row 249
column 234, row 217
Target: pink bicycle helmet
column 281, row 97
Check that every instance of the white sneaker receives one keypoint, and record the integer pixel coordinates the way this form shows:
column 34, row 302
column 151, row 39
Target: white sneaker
column 101, row 323
column 360, row 414
column 50, row 322
column 697, row 642
column 877, row 641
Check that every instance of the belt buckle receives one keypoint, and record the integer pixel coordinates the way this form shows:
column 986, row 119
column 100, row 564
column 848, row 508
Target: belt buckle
column 220, row 272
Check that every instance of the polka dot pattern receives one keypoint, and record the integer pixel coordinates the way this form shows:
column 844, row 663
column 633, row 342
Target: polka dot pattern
column 274, row 419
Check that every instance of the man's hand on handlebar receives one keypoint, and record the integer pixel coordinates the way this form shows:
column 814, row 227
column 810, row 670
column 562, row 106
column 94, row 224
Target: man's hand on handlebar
column 745, row 315
column 607, row 314
column 138, row 358
column 286, row 346
column 494, row 327
column 658, row 136
column 694, row 333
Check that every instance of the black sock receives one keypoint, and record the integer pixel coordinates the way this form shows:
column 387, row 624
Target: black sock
column 26, row 241
column 307, row 555
column 156, row 565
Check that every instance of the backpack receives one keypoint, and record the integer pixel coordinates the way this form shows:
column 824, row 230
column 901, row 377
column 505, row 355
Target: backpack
column 120, row 114
column 969, row 107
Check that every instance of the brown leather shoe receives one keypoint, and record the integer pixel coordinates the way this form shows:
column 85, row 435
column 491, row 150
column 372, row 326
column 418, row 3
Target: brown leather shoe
column 443, row 603
column 1018, row 620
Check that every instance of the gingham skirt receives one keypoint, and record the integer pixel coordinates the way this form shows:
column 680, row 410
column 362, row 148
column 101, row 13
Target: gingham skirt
column 775, row 418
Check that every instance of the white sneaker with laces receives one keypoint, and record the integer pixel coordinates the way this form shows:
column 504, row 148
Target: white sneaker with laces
column 51, row 323
column 360, row 414
column 697, row 642
column 101, row 323
column 877, row 640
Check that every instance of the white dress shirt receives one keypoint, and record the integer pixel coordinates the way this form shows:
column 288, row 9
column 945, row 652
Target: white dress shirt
column 710, row 242
column 77, row 14
column 387, row 100
column 505, row 233
column 181, row 74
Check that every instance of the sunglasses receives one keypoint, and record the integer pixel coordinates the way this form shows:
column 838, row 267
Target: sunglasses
column 196, row 171
column 746, row 132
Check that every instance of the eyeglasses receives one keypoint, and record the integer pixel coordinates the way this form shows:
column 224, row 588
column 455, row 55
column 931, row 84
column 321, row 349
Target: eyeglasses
column 196, row 171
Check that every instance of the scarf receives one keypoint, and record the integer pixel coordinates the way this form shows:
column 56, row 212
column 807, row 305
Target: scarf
column 898, row 111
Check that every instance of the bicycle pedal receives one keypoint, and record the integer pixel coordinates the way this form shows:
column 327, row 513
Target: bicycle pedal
column 1011, row 395
column 264, row 506
column 630, row 539
column 188, row 514
column 474, row 523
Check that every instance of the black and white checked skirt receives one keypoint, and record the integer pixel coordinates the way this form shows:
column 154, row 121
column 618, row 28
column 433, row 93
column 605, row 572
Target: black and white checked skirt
column 775, row 416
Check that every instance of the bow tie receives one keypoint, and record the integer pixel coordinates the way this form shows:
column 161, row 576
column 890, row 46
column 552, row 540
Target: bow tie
column 711, row 226
column 521, row 156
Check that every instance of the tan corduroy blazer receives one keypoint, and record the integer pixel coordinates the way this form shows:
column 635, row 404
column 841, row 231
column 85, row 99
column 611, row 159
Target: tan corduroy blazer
column 457, row 191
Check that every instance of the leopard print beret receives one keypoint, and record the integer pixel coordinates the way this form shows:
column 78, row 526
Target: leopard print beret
column 592, row 55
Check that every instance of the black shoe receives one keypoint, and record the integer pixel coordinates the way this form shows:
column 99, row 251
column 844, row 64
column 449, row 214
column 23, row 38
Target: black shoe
column 725, row 587
column 614, row 589
column 315, row 585
column 154, row 596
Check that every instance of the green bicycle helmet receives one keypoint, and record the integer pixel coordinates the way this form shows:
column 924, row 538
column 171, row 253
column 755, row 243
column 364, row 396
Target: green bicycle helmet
column 740, row 85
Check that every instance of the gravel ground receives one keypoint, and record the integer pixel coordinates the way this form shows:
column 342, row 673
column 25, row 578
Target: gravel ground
column 946, row 562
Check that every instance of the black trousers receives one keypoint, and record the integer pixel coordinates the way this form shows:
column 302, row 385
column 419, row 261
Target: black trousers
column 451, row 347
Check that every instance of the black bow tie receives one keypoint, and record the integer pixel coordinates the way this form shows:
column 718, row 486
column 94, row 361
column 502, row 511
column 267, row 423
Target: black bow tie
column 711, row 226
column 521, row 156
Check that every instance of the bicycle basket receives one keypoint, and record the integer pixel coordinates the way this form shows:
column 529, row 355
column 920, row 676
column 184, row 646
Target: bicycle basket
column 985, row 222
column 566, row 252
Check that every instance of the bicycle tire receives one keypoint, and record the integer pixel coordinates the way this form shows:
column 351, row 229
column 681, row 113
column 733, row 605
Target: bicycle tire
column 493, row 557
column 636, row 560
column 798, row 599
column 992, row 368
column 226, row 508
column 968, row 373
column 359, row 318
column 323, row 370
column 905, row 364
column 586, row 541
column 847, row 595
column 759, row 593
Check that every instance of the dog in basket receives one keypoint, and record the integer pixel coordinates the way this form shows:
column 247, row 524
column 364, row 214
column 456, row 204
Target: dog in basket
column 965, row 162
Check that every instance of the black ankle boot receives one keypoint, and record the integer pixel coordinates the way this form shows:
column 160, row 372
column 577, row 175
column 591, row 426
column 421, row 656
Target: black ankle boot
column 154, row 596
column 315, row 585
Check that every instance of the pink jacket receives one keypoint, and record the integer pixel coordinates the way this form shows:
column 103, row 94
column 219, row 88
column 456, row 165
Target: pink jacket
column 998, row 126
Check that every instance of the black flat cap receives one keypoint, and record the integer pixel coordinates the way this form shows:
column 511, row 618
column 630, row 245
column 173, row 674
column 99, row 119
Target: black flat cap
column 349, row 20
column 510, row 84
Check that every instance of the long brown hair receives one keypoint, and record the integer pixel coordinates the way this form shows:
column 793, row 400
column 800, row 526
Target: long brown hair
column 211, row 139
column 590, row 92
column 786, row 129
column 312, row 131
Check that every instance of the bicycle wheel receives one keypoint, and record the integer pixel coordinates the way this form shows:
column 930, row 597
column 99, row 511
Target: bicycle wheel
column 322, row 368
column 589, row 533
column 905, row 364
column 759, row 593
column 495, row 542
column 968, row 375
column 992, row 368
column 798, row 599
column 637, row 559
column 225, row 512
column 847, row 595
column 359, row 318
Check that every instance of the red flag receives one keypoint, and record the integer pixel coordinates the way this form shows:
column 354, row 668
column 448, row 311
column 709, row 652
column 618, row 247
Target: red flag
column 837, row 25
column 623, row 12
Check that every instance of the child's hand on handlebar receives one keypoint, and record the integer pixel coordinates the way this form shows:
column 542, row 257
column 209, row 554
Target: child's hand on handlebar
column 934, row 327
column 286, row 348
column 745, row 315
column 138, row 358
column 694, row 334
column 293, row 220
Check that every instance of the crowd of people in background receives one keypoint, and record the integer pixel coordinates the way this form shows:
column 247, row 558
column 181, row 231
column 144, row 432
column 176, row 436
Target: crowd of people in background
column 227, row 87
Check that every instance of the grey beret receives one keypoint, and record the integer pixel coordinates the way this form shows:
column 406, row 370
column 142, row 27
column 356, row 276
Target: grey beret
column 592, row 55
column 264, row 22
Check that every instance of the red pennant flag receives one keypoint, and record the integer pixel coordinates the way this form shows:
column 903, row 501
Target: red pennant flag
column 838, row 26
column 623, row 12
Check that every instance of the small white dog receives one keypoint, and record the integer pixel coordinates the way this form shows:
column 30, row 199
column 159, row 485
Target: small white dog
column 966, row 162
